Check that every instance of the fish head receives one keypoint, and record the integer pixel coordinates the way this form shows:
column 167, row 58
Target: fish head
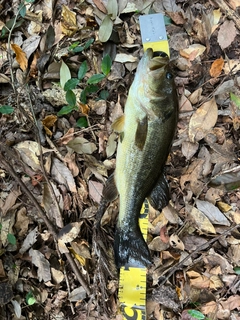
column 154, row 74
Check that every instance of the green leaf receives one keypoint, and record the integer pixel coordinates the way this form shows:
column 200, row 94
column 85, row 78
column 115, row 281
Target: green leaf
column 78, row 49
column 71, row 84
column 71, row 98
column 112, row 8
column 11, row 238
column 73, row 45
column 82, row 70
column 22, row 10
column 65, row 74
column 88, row 90
column 196, row 314
column 237, row 270
column 66, row 110
column 6, row 109
column 0, row 226
column 30, row 299
column 96, row 78
column 104, row 94
column 235, row 99
column 105, row 29
column 83, row 96
column 88, row 43
column 82, row 122
column 106, row 64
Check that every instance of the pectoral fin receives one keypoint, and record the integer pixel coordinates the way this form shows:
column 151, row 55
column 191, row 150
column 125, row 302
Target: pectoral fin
column 159, row 196
column 141, row 133
column 110, row 191
column 118, row 124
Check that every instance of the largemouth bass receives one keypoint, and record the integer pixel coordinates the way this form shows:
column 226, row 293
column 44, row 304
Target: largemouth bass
column 146, row 131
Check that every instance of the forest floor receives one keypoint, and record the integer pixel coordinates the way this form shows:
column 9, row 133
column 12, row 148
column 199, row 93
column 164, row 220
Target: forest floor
column 65, row 71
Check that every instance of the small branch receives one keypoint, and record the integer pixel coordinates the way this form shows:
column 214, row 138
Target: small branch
column 49, row 225
column 197, row 250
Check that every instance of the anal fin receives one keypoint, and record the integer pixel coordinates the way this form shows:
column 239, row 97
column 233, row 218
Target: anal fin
column 110, row 191
column 160, row 195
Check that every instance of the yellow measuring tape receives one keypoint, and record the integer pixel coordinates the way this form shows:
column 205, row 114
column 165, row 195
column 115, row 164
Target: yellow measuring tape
column 133, row 281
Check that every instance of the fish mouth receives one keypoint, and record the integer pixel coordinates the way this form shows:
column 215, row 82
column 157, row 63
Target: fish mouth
column 158, row 60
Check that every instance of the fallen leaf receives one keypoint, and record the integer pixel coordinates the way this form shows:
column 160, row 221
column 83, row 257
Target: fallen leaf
column 70, row 232
column 226, row 34
column 42, row 264
column 203, row 120
column 105, row 29
column 10, row 200
column 193, row 51
column 123, row 58
column 99, row 4
column 81, row 145
column 95, row 190
column 233, row 302
column 197, row 280
column 21, row 56
column 30, row 239
column 63, row 175
column 212, row 212
column 175, row 242
column 77, row 294
column 29, row 152
column 48, row 122
column 201, row 221
column 68, row 22
column 189, row 149
column 216, row 67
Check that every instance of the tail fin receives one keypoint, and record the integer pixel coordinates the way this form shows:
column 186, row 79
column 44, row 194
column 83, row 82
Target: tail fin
column 131, row 249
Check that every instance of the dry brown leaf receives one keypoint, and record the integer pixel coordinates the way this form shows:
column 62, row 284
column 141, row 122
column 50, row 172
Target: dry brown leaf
column 193, row 51
column 175, row 242
column 68, row 22
column 209, row 308
column 203, row 120
column 212, row 212
column 226, row 34
column 49, row 122
column 42, row 264
column 233, row 302
column 95, row 190
column 100, row 5
column 216, row 67
column 198, row 280
column 189, row 149
column 201, row 221
column 63, row 175
column 10, row 201
column 20, row 56
column 215, row 282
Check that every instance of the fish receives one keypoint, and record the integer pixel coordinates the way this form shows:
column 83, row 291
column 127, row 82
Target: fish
column 146, row 130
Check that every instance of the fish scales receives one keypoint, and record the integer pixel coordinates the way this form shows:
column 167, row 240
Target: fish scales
column 146, row 133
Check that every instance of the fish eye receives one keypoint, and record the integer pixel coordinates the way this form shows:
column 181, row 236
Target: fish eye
column 169, row 75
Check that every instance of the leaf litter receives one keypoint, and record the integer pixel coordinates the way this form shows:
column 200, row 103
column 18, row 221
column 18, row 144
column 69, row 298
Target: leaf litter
column 42, row 49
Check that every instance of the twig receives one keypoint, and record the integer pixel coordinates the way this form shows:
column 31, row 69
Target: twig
column 68, row 255
column 49, row 225
column 230, row 13
column 198, row 249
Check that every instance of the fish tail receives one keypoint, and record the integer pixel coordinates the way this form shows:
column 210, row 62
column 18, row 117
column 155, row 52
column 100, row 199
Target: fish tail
column 131, row 249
